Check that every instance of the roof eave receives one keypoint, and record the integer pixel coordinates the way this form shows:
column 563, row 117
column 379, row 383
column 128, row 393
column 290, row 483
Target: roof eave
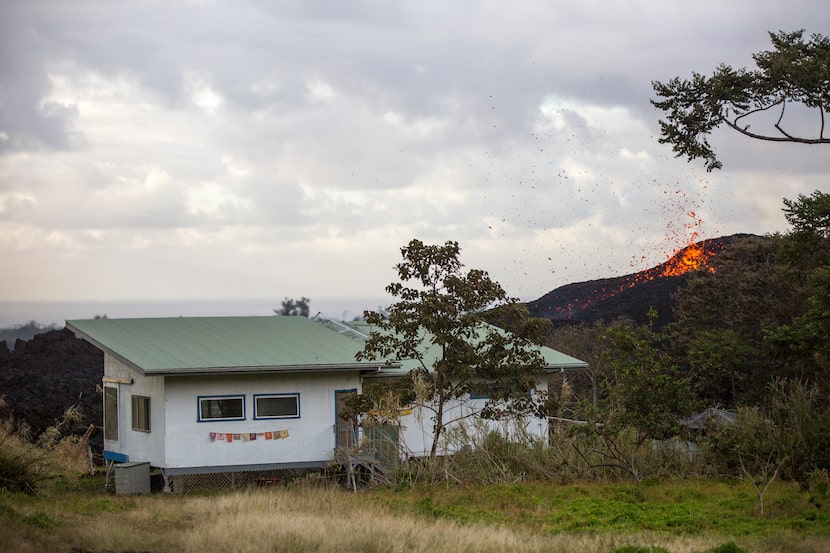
column 564, row 368
column 204, row 371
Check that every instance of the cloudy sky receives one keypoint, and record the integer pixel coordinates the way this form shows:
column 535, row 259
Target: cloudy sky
column 238, row 150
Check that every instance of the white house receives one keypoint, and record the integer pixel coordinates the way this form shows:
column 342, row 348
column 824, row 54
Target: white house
column 464, row 426
column 224, row 395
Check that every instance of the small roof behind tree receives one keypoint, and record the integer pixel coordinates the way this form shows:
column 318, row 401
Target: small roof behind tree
column 555, row 360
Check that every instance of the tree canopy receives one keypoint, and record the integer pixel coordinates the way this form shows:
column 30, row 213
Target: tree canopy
column 803, row 341
column 445, row 309
column 289, row 307
column 795, row 71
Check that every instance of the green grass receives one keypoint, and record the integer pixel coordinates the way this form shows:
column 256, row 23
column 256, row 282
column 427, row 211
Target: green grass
column 682, row 507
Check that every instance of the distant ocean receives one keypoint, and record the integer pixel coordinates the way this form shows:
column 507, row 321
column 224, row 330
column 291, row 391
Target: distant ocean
column 56, row 313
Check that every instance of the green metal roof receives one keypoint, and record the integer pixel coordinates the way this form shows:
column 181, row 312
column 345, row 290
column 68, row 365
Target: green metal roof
column 556, row 360
column 185, row 345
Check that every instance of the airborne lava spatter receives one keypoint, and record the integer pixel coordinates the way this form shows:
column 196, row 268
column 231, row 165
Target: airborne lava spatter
column 583, row 297
column 692, row 256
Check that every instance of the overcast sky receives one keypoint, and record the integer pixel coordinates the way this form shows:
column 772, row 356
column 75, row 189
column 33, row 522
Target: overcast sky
column 237, row 150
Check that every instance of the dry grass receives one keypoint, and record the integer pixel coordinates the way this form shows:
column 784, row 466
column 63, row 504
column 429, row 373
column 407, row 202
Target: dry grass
column 303, row 519
column 312, row 519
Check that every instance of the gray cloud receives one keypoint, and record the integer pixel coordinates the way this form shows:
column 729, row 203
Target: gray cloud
column 330, row 134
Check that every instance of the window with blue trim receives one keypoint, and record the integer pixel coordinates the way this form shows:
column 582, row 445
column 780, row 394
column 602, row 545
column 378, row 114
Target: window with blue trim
column 277, row 406
column 482, row 390
column 222, row 408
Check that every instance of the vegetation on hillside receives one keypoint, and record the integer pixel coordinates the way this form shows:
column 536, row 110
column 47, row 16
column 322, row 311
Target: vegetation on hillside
column 750, row 336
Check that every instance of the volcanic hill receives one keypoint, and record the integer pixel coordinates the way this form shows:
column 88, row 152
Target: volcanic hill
column 631, row 295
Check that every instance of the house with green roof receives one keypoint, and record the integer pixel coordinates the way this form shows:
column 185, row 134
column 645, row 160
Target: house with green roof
column 230, row 395
column 413, row 431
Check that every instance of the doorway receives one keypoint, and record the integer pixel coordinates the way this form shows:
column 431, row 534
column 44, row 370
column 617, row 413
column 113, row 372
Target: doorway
column 345, row 425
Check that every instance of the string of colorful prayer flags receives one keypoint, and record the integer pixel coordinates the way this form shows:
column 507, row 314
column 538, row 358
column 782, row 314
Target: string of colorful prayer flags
column 247, row 436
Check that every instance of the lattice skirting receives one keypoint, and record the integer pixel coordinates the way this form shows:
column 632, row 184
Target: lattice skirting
column 187, row 483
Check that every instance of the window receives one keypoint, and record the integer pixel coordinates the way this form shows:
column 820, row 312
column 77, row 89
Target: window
column 110, row 413
column 482, row 390
column 277, row 406
column 141, row 413
column 222, row 408
column 498, row 390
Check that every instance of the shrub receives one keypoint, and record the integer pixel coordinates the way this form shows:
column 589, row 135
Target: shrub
column 24, row 463
column 483, row 457
column 728, row 547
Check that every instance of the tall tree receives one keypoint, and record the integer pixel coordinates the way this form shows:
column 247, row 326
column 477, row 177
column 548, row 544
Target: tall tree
column 807, row 244
column 439, row 321
column 644, row 388
column 803, row 341
column 642, row 395
column 795, row 71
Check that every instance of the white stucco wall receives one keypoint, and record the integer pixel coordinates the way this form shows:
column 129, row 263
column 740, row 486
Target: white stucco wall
column 311, row 437
column 417, row 428
column 137, row 445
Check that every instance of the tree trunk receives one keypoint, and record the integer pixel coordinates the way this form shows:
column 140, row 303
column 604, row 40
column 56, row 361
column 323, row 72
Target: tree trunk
column 438, row 428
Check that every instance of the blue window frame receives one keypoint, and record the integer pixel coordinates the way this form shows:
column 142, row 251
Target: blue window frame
column 277, row 406
column 221, row 408
column 482, row 390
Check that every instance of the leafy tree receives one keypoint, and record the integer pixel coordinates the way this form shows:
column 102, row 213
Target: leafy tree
column 291, row 307
column 753, row 446
column 803, row 411
column 795, row 71
column 802, row 341
column 788, row 435
column 807, row 245
column 439, row 322
column 642, row 397
column 763, row 313
column 644, row 388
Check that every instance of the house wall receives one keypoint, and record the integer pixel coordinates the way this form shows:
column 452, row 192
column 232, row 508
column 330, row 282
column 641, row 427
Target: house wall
column 310, row 438
column 137, row 445
column 417, row 428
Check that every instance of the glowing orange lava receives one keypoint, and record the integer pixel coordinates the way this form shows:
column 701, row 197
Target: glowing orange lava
column 691, row 258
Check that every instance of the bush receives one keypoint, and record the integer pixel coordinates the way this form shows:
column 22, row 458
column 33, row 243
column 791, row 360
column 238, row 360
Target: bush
column 728, row 547
column 483, row 457
column 24, row 464
column 568, row 455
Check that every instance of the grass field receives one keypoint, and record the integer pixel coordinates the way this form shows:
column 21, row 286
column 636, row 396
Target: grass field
column 679, row 516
